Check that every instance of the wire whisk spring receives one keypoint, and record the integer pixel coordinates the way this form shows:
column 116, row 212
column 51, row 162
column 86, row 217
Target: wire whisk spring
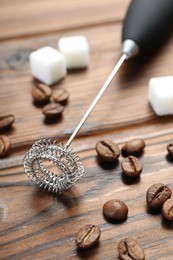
column 69, row 166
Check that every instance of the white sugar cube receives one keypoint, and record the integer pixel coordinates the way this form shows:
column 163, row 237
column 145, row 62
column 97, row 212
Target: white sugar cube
column 48, row 65
column 76, row 51
column 161, row 95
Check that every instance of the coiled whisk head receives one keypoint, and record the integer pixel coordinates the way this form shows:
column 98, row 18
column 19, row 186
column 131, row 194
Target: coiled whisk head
column 68, row 165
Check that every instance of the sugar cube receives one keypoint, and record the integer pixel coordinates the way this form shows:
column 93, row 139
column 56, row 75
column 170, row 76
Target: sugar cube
column 161, row 95
column 47, row 65
column 76, row 51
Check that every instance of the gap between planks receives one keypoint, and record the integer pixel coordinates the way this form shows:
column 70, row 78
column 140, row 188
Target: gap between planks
column 60, row 30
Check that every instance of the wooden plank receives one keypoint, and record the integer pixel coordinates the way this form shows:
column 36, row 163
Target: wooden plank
column 124, row 103
column 23, row 18
column 37, row 224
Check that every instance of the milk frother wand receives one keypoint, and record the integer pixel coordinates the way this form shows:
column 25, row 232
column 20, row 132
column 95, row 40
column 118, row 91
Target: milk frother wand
column 146, row 23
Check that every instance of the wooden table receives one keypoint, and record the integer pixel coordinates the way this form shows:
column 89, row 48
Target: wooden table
column 36, row 224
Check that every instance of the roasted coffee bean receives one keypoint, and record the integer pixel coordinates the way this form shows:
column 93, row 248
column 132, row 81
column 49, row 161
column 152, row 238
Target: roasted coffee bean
column 157, row 194
column 115, row 210
column 133, row 147
column 88, row 236
column 5, row 145
column 131, row 166
column 61, row 96
column 167, row 209
column 6, row 121
column 107, row 150
column 41, row 93
column 170, row 148
column 129, row 249
column 53, row 110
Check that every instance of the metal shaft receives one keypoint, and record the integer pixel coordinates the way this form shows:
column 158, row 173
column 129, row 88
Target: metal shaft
column 102, row 90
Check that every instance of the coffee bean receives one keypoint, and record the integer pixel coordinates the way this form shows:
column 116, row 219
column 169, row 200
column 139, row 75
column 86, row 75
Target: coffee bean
column 88, row 236
column 5, row 145
column 115, row 210
column 133, row 147
column 41, row 93
column 53, row 110
column 170, row 148
column 61, row 96
column 167, row 209
column 6, row 121
column 157, row 194
column 107, row 150
column 131, row 166
column 129, row 249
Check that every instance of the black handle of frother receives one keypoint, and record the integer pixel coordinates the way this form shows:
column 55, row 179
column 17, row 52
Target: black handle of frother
column 147, row 22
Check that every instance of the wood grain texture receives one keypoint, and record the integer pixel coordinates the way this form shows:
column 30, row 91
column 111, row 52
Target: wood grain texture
column 23, row 18
column 37, row 224
column 118, row 107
